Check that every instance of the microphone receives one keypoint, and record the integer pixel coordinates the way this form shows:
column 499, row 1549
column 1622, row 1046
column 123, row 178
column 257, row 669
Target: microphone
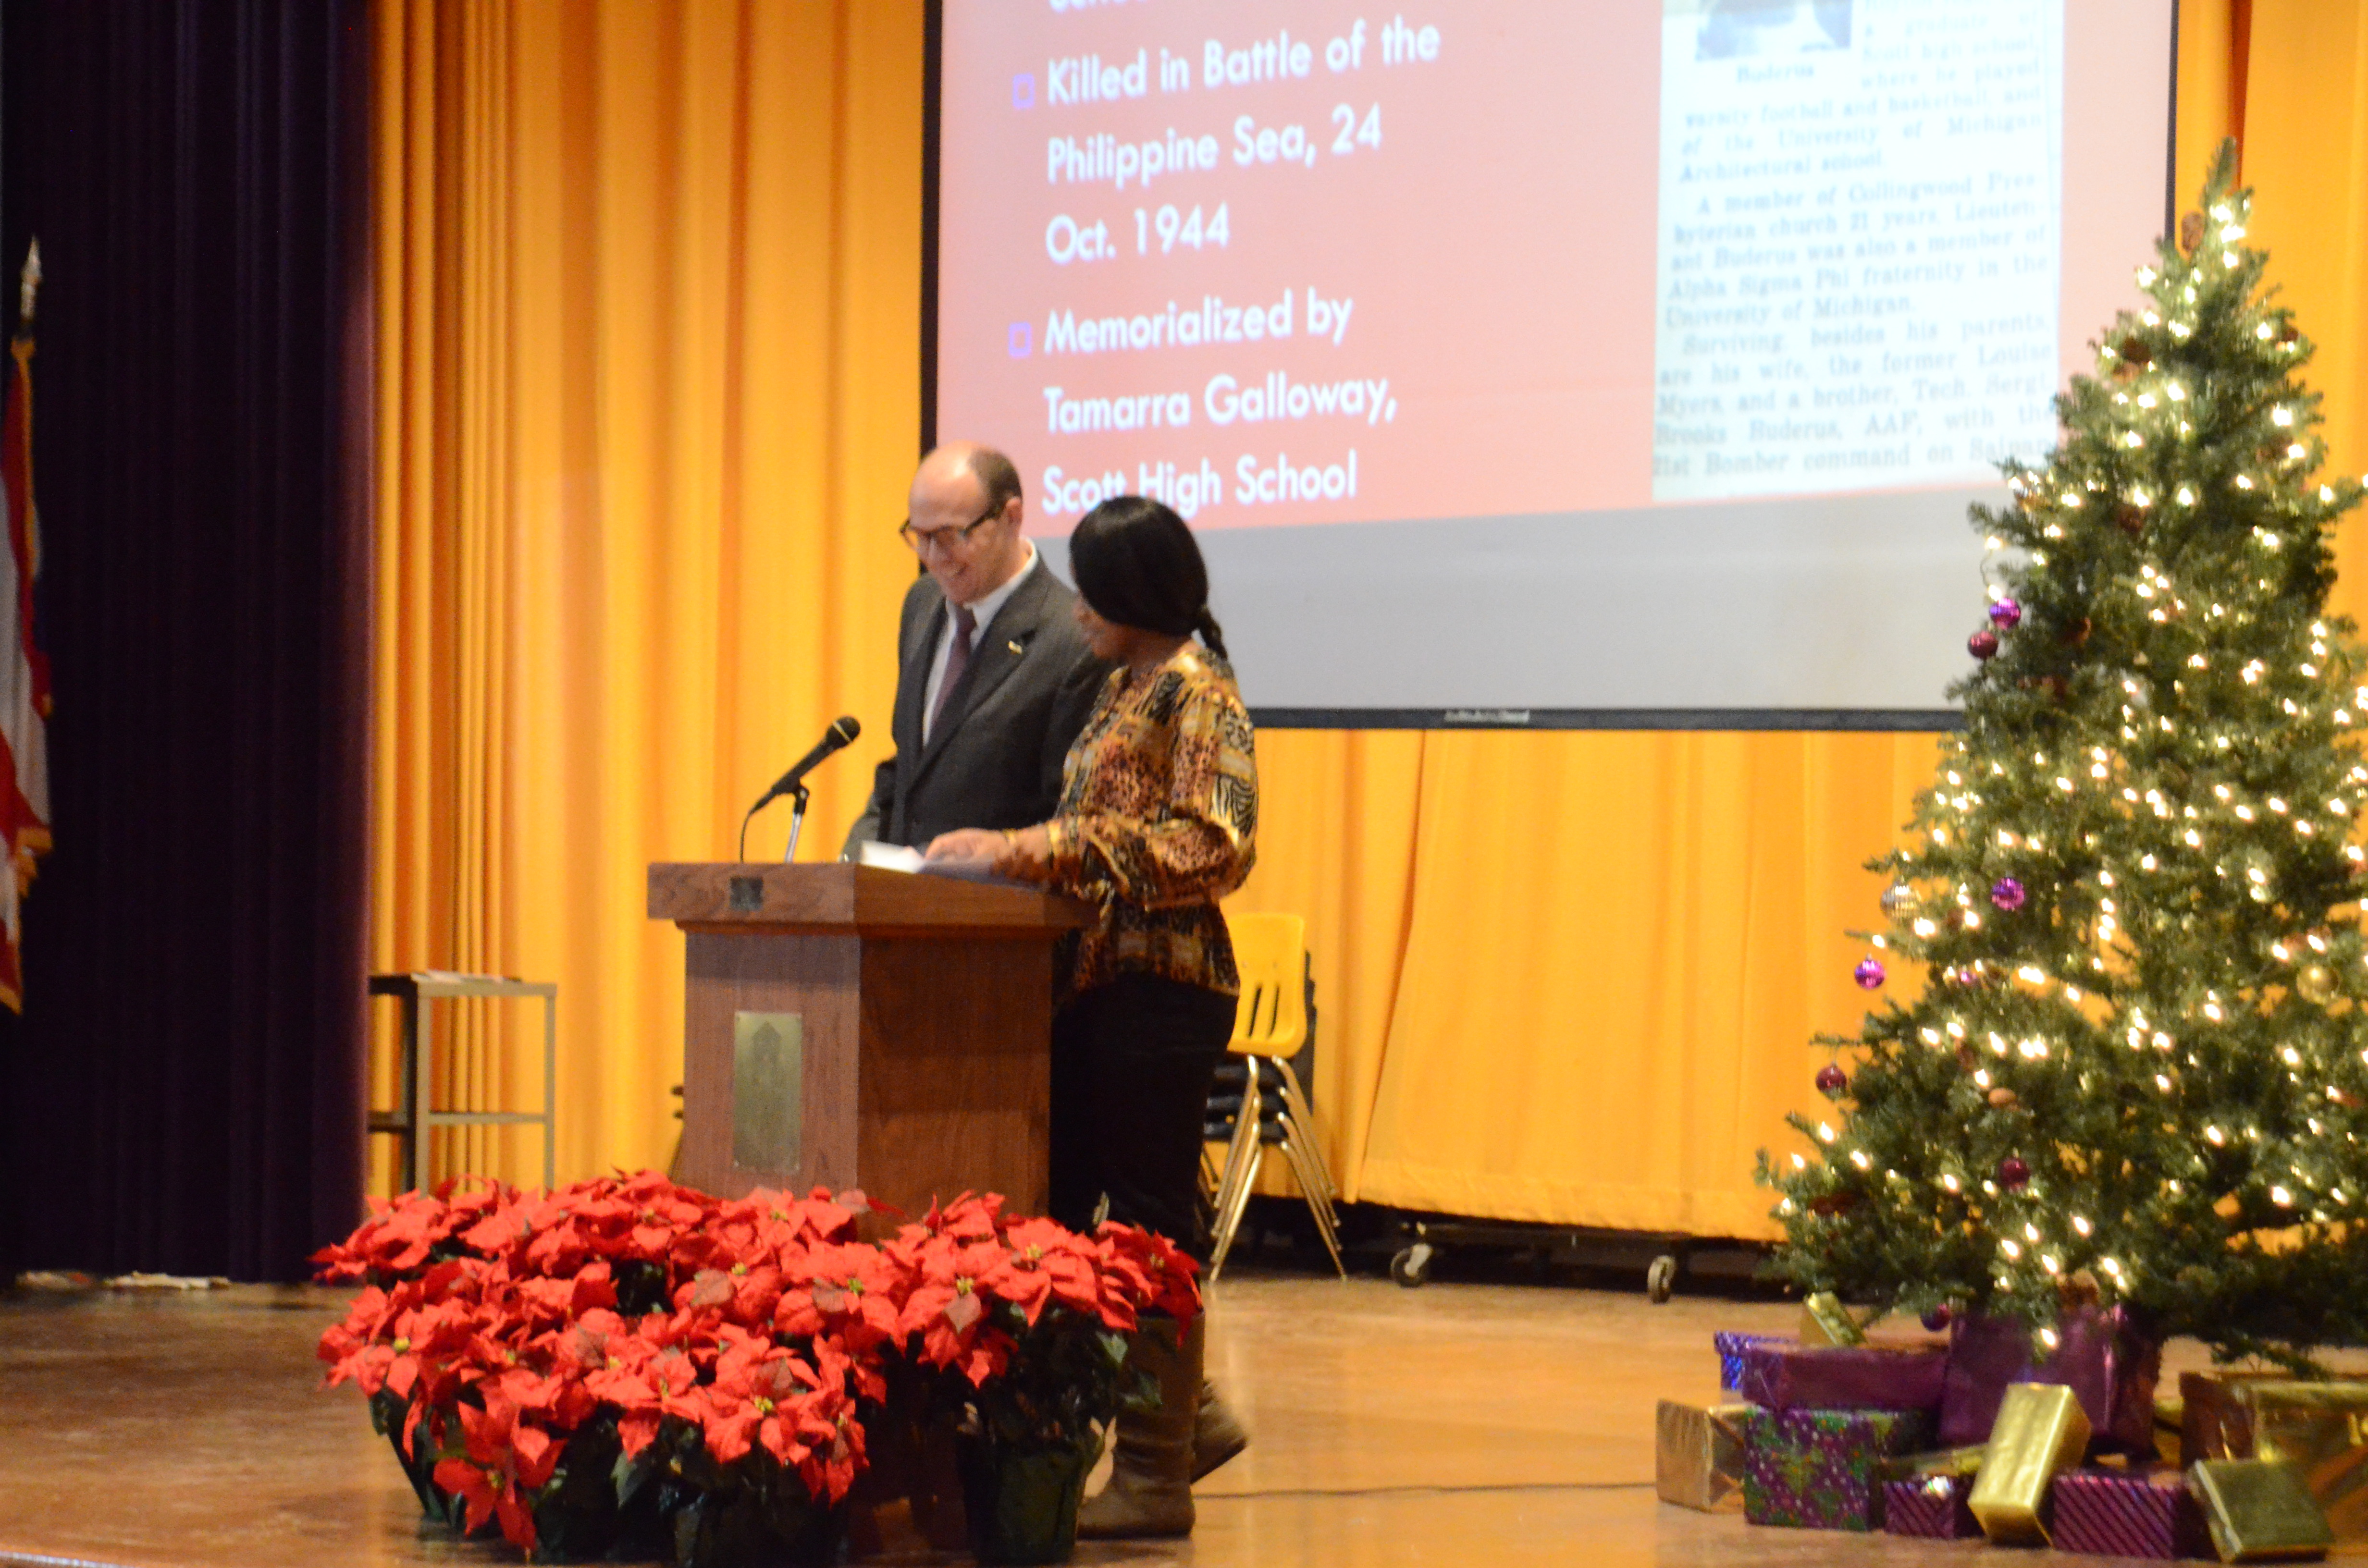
column 841, row 733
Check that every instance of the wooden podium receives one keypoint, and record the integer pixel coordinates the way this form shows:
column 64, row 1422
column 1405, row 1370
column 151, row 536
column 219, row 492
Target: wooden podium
column 845, row 1025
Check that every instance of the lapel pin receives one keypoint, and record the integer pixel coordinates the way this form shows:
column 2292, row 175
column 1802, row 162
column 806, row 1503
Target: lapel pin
column 1014, row 645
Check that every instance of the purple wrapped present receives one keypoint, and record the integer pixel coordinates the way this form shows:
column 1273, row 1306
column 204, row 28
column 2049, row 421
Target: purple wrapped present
column 1731, row 1346
column 2137, row 1514
column 1816, row 1468
column 2111, row 1367
column 1854, row 1377
column 1930, row 1506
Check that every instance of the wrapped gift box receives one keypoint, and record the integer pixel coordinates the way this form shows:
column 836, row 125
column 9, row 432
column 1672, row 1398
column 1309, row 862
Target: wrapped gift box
column 2320, row 1427
column 2041, row 1433
column 2216, row 1414
column 1825, row 1321
column 2129, row 1514
column 2259, row 1511
column 1817, row 1469
column 2170, row 1421
column 1930, row 1506
column 2113, row 1367
column 1698, row 1454
column 1964, row 1462
column 2322, row 1430
column 1801, row 1377
column 1731, row 1346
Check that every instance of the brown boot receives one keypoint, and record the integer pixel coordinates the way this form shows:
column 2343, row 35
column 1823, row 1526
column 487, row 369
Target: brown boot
column 1217, row 1434
column 1150, row 1490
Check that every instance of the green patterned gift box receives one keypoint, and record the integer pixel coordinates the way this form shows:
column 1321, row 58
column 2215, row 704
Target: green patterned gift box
column 1822, row 1469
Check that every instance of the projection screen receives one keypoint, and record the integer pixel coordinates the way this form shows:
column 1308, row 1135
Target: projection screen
column 1522, row 362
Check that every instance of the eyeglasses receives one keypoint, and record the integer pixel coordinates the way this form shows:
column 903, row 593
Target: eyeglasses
column 921, row 539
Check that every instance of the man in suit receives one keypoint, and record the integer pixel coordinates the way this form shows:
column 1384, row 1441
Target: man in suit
column 994, row 679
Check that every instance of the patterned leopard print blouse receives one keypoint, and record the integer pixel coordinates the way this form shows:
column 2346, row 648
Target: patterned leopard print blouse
column 1158, row 821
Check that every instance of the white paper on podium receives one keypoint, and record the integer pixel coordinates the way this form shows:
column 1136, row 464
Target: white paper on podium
column 887, row 856
column 897, row 857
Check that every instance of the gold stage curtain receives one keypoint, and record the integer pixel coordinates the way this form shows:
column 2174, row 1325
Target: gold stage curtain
column 648, row 338
column 1611, row 953
column 2305, row 142
column 647, row 390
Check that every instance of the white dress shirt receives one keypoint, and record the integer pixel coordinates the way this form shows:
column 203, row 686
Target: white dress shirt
column 984, row 611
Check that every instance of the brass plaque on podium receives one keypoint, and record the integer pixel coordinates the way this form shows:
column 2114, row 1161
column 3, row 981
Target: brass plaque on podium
column 768, row 1090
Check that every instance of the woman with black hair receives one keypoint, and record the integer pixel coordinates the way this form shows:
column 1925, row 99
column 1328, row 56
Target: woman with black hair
column 1157, row 821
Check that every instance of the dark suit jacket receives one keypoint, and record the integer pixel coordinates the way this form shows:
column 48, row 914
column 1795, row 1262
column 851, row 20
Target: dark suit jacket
column 994, row 759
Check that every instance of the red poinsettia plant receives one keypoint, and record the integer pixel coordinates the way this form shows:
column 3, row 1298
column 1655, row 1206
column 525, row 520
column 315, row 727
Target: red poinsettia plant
column 626, row 1364
column 1026, row 1321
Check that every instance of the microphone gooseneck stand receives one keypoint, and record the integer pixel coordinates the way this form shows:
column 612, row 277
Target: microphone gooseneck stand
column 798, row 795
column 842, row 731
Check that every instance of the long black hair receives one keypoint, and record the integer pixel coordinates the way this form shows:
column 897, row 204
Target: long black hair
column 1137, row 564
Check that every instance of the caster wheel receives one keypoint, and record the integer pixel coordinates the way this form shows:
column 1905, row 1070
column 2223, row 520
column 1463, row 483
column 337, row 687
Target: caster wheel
column 1411, row 1266
column 1661, row 1277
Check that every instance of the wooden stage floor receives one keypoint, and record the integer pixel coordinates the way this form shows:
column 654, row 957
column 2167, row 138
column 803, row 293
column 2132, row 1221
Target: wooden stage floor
column 1456, row 1423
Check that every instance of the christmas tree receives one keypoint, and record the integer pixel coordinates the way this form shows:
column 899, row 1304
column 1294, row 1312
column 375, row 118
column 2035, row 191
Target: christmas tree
column 2138, row 1070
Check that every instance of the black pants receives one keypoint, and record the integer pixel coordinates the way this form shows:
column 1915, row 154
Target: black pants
column 1131, row 1062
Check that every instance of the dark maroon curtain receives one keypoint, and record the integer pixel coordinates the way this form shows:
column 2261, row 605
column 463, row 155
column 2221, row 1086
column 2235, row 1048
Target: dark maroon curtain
column 183, row 1092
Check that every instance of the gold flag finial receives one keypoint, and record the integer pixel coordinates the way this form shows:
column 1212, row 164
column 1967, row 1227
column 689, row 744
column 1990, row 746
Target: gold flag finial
column 29, row 283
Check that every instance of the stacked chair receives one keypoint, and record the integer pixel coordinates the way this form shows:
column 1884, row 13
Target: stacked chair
column 1257, row 1102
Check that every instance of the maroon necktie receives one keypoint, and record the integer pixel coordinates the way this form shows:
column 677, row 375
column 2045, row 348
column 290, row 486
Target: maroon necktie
column 957, row 661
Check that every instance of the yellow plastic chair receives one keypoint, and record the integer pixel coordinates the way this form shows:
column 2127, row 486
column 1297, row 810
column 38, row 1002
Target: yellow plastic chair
column 1269, row 1028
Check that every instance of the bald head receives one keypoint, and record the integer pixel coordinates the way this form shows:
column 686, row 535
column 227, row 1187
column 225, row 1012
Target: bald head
column 999, row 480
column 965, row 514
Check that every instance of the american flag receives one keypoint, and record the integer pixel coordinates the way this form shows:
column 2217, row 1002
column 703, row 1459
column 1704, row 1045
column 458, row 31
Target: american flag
column 24, row 672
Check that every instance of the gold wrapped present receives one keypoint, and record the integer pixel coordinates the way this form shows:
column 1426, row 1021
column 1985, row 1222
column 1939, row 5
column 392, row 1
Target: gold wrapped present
column 2322, row 1430
column 2216, row 1414
column 2040, row 1432
column 1698, row 1454
column 1825, row 1321
column 2259, row 1511
column 2170, row 1424
column 2320, row 1427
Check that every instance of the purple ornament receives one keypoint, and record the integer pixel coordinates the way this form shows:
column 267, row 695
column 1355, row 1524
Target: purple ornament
column 1869, row 973
column 1831, row 1079
column 2006, row 894
column 2013, row 1173
column 1938, row 1318
column 1983, row 645
column 2006, row 615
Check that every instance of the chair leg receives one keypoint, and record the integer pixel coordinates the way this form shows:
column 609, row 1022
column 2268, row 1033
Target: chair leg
column 1295, row 1104
column 1241, row 1165
column 1237, row 1147
column 1231, row 1223
column 1315, row 1175
column 1314, row 1179
column 1310, row 1182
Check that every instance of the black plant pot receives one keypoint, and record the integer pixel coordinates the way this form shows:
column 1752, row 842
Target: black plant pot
column 579, row 1519
column 388, row 1413
column 744, row 1529
column 1023, row 1502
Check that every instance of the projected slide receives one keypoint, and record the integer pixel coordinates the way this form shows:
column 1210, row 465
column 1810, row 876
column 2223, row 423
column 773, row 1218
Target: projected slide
column 1635, row 342
column 1859, row 247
